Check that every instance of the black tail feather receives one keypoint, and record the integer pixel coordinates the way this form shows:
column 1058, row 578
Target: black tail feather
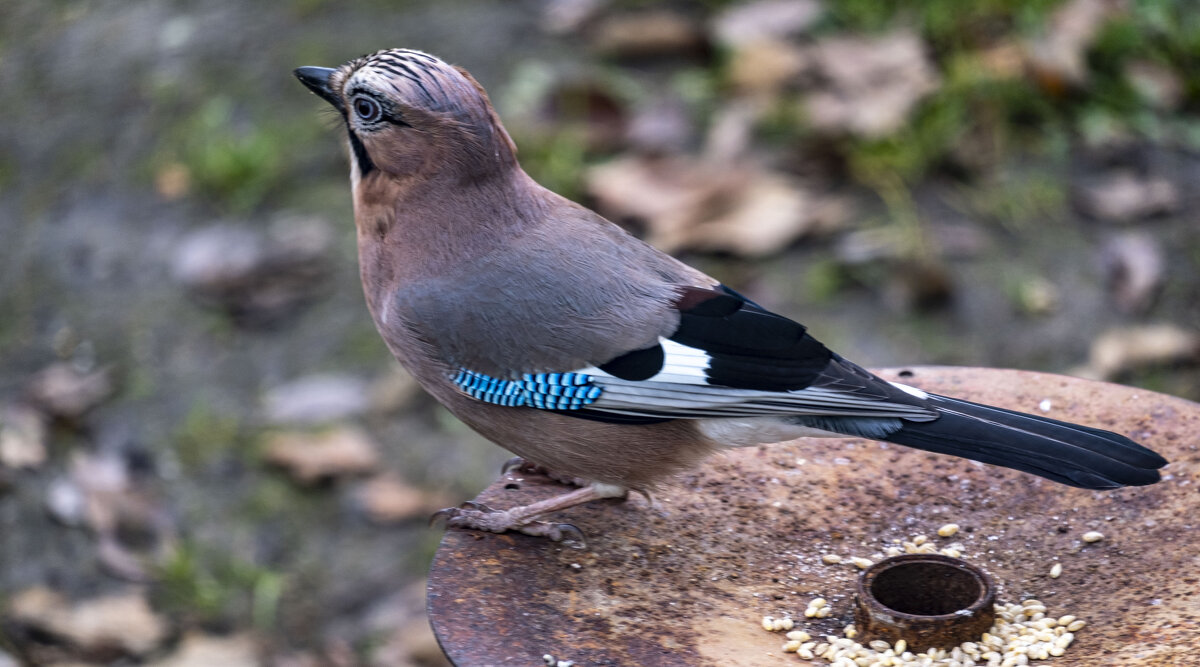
column 1071, row 454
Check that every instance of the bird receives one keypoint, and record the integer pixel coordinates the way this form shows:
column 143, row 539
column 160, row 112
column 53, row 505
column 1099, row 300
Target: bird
column 590, row 354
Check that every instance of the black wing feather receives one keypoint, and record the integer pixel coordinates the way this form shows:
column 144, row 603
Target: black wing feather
column 750, row 347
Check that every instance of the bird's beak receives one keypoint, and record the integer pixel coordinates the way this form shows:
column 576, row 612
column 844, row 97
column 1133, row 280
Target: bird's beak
column 317, row 80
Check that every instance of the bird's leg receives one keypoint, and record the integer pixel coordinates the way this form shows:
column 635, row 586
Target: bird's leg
column 523, row 519
column 519, row 465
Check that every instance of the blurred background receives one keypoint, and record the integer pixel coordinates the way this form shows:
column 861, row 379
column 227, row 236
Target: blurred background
column 208, row 457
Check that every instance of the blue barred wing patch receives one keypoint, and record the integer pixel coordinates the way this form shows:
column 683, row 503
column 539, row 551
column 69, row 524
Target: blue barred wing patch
column 548, row 391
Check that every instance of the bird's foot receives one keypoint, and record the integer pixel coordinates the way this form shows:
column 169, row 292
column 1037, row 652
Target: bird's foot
column 477, row 516
column 525, row 518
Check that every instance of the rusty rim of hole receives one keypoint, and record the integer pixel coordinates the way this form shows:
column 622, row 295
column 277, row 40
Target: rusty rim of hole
column 928, row 600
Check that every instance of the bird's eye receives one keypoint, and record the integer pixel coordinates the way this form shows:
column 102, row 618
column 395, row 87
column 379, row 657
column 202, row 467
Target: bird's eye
column 367, row 109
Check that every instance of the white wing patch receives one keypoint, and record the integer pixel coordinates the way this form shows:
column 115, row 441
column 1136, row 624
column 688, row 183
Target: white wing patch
column 681, row 365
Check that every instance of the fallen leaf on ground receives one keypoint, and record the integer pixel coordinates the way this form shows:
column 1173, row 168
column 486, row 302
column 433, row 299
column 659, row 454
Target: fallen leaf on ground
column 199, row 650
column 123, row 624
column 696, row 204
column 1057, row 55
column 767, row 67
column 312, row 457
column 647, row 33
column 389, row 499
column 870, row 84
column 1120, row 351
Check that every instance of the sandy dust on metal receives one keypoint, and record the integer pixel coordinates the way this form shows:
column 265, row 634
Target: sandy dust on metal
column 687, row 581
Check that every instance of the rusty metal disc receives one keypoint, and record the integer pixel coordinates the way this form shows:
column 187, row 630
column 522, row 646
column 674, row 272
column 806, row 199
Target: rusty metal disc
column 687, row 581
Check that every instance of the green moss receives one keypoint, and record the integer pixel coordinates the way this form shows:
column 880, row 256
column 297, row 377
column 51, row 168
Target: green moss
column 207, row 586
column 1018, row 200
column 234, row 157
column 823, row 279
column 204, row 435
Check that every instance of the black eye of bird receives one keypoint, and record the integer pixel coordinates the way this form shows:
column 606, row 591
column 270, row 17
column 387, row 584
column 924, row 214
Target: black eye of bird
column 367, row 109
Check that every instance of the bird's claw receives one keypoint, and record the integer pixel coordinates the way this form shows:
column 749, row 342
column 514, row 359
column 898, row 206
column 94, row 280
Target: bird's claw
column 515, row 463
column 447, row 514
column 477, row 516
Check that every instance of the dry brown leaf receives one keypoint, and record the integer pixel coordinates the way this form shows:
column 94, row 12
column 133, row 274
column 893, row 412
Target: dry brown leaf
column 690, row 204
column 312, row 457
column 870, row 83
column 766, row 216
column 767, row 67
column 122, row 623
column 642, row 34
column 1057, row 56
column 1120, row 351
column 389, row 499
column 662, row 192
column 199, row 650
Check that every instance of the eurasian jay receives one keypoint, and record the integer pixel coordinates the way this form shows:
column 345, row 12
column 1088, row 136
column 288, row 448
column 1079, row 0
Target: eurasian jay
column 581, row 349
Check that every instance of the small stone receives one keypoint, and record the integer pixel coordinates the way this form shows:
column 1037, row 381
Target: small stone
column 257, row 276
column 1136, row 266
column 743, row 24
column 1123, row 197
column 22, row 437
column 316, row 399
column 60, row 390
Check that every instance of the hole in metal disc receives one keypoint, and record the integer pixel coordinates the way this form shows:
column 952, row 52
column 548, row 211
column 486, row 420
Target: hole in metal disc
column 926, row 588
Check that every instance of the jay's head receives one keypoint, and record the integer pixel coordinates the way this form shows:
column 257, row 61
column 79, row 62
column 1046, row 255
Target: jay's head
column 410, row 114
